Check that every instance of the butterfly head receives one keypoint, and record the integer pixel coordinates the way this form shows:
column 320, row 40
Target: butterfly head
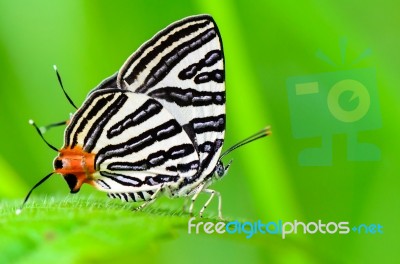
column 221, row 170
column 76, row 166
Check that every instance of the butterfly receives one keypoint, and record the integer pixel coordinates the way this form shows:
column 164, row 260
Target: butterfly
column 156, row 127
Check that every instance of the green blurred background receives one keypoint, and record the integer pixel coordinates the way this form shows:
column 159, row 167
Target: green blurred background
column 266, row 43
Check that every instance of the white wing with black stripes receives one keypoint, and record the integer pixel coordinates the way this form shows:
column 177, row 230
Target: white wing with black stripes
column 182, row 67
column 138, row 144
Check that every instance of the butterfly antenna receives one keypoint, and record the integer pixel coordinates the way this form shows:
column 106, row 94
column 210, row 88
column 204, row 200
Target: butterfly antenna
column 44, row 129
column 19, row 210
column 31, row 122
column 263, row 133
column 62, row 87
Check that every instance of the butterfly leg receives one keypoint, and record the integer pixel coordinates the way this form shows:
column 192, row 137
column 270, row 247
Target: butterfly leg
column 151, row 199
column 196, row 192
column 212, row 193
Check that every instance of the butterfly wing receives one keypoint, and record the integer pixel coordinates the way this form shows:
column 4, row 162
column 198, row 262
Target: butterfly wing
column 182, row 67
column 138, row 144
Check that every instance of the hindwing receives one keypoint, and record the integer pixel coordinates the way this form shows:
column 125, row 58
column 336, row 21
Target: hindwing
column 138, row 144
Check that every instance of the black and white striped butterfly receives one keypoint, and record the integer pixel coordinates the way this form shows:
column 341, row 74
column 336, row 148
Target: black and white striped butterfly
column 156, row 126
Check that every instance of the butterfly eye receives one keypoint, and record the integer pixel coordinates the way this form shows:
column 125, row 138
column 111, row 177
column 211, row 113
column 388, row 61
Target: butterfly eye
column 72, row 182
column 219, row 169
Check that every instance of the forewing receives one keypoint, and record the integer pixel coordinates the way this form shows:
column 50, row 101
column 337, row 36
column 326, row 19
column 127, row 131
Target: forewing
column 183, row 68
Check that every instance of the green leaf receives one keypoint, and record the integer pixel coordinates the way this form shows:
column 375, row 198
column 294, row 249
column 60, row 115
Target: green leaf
column 85, row 229
column 78, row 229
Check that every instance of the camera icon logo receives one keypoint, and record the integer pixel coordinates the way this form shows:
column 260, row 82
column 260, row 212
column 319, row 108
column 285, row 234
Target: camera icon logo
column 358, row 90
column 327, row 104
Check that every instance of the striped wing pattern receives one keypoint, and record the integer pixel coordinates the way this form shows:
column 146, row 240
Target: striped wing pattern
column 182, row 67
column 160, row 120
column 138, row 144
